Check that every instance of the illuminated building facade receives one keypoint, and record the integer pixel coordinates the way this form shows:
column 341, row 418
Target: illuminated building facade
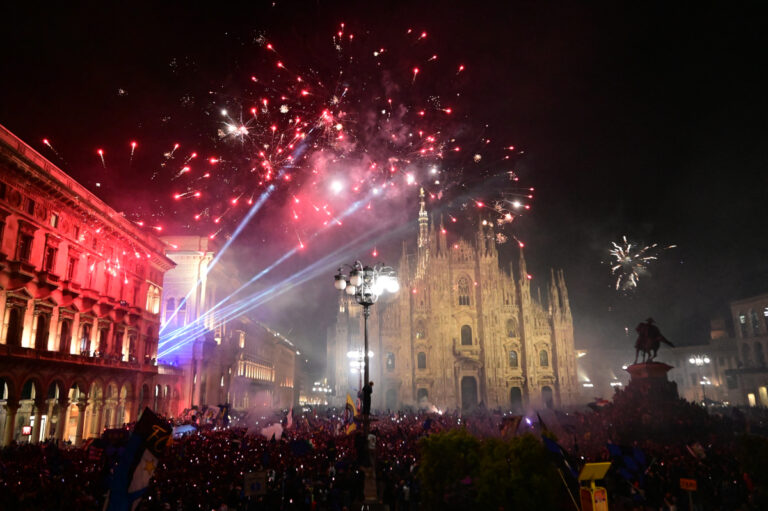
column 729, row 368
column 240, row 361
column 461, row 332
column 80, row 295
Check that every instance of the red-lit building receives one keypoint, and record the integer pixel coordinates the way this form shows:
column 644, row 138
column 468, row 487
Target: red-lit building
column 80, row 295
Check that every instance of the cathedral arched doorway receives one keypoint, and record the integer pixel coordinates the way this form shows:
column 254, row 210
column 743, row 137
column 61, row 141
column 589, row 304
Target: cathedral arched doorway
column 468, row 393
column 391, row 399
column 547, row 396
column 516, row 399
column 422, row 395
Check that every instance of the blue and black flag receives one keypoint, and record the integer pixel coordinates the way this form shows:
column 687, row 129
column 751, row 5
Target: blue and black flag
column 561, row 458
column 629, row 462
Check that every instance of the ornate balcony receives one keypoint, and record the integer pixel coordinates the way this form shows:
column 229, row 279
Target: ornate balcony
column 471, row 352
column 44, row 356
column 46, row 283
column 20, row 273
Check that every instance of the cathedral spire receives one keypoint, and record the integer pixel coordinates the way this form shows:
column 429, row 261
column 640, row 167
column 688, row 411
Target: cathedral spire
column 423, row 235
column 423, row 220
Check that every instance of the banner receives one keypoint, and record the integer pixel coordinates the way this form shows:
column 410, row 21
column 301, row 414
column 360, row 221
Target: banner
column 138, row 462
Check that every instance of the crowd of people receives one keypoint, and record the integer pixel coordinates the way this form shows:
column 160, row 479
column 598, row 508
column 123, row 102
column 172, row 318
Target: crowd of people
column 316, row 464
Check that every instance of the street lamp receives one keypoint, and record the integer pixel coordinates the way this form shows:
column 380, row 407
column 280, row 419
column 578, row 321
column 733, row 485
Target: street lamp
column 366, row 284
column 700, row 361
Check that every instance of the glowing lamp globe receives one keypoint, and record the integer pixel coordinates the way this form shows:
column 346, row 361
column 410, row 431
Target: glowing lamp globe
column 392, row 285
column 340, row 282
column 351, row 290
column 355, row 279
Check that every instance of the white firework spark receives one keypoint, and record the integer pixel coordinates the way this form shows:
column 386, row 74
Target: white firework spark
column 630, row 261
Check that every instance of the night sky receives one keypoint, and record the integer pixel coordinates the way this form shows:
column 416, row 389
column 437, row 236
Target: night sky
column 641, row 120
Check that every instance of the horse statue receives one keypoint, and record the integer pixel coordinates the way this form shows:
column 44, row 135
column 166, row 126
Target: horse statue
column 649, row 339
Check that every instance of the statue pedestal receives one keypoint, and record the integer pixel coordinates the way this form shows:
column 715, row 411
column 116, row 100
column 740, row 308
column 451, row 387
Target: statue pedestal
column 651, row 379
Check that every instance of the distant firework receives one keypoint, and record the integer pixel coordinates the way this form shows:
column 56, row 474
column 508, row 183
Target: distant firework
column 630, row 261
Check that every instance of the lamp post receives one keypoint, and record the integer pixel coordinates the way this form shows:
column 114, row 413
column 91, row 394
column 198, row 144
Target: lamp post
column 701, row 361
column 366, row 284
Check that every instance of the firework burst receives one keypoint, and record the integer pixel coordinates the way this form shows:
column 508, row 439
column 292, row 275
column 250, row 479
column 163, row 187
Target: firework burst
column 630, row 261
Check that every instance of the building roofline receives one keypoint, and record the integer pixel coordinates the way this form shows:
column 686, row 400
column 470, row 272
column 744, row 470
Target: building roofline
column 82, row 197
column 741, row 301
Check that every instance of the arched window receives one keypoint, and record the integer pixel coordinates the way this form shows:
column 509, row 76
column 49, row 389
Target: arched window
column 153, row 299
column 421, row 330
column 743, row 324
column 170, row 305
column 511, row 328
column 755, row 320
column 765, row 318
column 513, row 361
column 464, row 291
column 544, row 358
column 466, row 335
column 390, row 361
column 181, row 316
column 421, row 360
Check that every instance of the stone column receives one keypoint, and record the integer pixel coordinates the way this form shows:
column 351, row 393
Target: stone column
column 81, row 406
column 120, row 413
column 47, row 432
column 93, row 423
column 61, row 424
column 38, row 409
column 11, row 407
column 132, row 409
column 100, row 418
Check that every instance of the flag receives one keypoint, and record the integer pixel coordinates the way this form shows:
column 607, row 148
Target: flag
column 561, row 457
column 541, row 423
column 138, row 461
column 350, row 411
column 629, row 462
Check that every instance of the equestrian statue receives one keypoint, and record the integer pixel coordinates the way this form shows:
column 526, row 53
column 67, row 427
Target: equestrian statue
column 649, row 338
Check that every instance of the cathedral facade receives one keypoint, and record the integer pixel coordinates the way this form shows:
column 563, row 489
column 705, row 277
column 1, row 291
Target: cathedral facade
column 462, row 332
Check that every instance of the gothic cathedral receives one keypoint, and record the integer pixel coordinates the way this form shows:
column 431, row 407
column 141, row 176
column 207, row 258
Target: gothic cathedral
column 462, row 332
